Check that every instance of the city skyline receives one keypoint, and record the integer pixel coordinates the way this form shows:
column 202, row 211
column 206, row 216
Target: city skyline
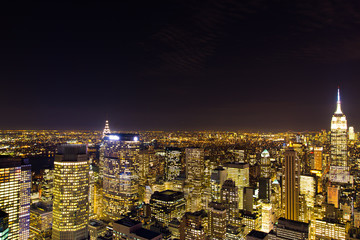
column 183, row 65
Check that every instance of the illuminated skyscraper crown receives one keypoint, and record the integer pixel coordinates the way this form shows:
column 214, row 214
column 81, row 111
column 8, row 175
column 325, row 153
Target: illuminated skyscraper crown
column 338, row 104
column 106, row 129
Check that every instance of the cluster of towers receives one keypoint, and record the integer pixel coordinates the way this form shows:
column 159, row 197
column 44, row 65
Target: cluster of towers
column 209, row 200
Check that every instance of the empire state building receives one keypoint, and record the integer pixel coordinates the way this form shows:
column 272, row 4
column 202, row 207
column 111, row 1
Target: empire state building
column 339, row 137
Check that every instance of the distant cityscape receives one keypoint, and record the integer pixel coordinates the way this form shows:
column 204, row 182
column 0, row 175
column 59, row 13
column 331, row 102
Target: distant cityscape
column 203, row 185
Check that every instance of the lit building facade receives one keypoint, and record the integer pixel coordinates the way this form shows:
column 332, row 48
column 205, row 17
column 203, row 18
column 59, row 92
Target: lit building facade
column 218, row 177
column 239, row 173
column 289, row 229
column 291, row 184
column 106, row 129
column 339, row 137
column 217, row 221
column 167, row 205
column 193, row 226
column 25, row 188
column 329, row 229
column 229, row 199
column 4, row 225
column 10, row 184
column 267, row 216
column 194, row 158
column 120, row 174
column 71, row 193
column 172, row 163
column 318, row 158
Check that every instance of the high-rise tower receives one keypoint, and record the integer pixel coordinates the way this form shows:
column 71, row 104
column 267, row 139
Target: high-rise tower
column 106, row 129
column 120, row 173
column 25, row 188
column 339, row 137
column 71, row 193
column 10, row 183
column 291, row 184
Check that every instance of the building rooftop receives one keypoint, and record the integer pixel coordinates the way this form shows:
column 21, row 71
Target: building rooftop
column 167, row 195
column 147, row 234
column 257, row 234
column 128, row 222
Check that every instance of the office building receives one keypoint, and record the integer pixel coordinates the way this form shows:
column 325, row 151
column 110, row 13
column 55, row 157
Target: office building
column 172, row 163
column 318, row 158
column 352, row 134
column 229, row 199
column 267, row 216
column 96, row 229
column 120, row 175
column 128, row 229
column 41, row 219
column 333, row 195
column 289, row 229
column 217, row 221
column 194, row 158
column 4, row 225
column 25, row 188
column 265, row 164
column 239, row 173
column 71, row 193
column 291, row 184
column 218, row 177
column 194, row 226
column 10, row 185
column 167, row 205
column 329, row 229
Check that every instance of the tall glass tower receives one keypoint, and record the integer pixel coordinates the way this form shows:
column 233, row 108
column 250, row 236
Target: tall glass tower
column 10, row 183
column 71, row 193
column 120, row 173
column 339, row 137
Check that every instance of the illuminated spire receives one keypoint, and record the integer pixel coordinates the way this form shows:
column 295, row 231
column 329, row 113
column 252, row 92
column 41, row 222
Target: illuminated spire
column 338, row 107
column 106, row 129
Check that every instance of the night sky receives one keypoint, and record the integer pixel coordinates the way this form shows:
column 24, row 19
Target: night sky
column 260, row 65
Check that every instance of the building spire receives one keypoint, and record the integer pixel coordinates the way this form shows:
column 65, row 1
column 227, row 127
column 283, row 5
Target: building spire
column 106, row 129
column 338, row 104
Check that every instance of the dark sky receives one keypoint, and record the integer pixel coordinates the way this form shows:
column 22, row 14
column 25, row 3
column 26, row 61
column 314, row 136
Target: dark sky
column 260, row 65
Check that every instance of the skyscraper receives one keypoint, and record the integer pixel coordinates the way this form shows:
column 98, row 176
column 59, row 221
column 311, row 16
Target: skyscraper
column 217, row 221
column 229, row 199
column 167, row 205
column 25, row 188
column 120, row 174
column 172, row 163
column 10, row 183
column 291, row 184
column 239, row 173
column 106, row 129
column 193, row 226
column 218, row 177
column 195, row 167
column 71, row 193
column 338, row 137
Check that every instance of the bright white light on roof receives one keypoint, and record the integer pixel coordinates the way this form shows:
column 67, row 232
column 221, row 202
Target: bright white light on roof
column 136, row 139
column 114, row 137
